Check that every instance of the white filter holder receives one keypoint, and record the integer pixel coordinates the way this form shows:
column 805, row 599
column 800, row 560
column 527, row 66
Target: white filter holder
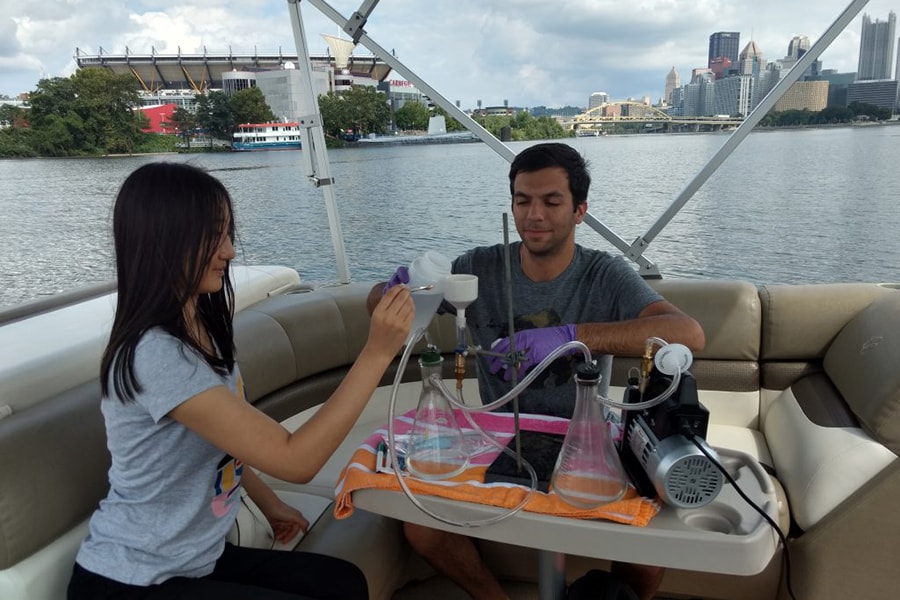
column 461, row 291
column 673, row 358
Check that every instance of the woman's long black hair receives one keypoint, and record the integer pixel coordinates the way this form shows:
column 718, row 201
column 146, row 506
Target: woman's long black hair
column 168, row 222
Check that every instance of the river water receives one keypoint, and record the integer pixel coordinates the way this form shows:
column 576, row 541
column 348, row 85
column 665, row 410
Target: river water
column 788, row 206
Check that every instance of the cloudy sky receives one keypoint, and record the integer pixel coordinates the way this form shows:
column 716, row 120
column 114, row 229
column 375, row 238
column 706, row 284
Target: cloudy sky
column 529, row 52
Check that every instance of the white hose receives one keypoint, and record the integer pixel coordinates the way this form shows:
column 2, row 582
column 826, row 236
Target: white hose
column 537, row 370
column 515, row 391
column 395, row 464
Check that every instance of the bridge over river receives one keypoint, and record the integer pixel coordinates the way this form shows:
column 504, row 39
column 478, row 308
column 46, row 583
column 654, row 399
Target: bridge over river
column 602, row 118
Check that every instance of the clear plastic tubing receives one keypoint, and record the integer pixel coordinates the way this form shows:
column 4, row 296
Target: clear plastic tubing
column 395, row 465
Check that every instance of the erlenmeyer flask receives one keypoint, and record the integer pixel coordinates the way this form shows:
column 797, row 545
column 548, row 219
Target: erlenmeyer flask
column 436, row 448
column 588, row 472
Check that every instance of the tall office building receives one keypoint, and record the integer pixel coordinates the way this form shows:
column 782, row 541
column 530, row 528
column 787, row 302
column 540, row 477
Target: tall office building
column 751, row 61
column 673, row 80
column 797, row 47
column 725, row 44
column 897, row 75
column 876, row 48
column 597, row 99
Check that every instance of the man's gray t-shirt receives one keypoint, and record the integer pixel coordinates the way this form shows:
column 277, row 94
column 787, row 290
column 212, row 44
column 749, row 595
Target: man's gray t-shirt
column 173, row 496
column 595, row 288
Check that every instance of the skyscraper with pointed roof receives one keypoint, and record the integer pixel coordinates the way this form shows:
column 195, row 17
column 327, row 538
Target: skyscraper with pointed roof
column 673, row 80
column 751, row 61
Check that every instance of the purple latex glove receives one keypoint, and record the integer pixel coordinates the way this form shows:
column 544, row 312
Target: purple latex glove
column 537, row 345
column 401, row 275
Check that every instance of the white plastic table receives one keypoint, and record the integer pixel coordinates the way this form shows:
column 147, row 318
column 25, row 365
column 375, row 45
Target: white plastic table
column 726, row 536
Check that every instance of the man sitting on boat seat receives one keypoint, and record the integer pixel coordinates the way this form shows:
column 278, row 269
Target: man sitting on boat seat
column 562, row 292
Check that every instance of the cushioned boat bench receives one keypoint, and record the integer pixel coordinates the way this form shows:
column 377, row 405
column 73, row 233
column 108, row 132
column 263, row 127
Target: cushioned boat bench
column 802, row 377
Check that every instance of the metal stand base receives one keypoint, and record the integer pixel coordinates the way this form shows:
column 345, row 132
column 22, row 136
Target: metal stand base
column 551, row 575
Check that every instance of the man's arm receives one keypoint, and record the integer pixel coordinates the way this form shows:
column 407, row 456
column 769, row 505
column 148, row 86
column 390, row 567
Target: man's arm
column 660, row 319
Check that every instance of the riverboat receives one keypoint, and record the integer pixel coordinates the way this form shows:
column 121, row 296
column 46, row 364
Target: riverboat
column 266, row 136
column 800, row 382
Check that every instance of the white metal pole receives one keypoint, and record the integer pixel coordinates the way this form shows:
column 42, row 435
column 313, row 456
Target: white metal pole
column 314, row 153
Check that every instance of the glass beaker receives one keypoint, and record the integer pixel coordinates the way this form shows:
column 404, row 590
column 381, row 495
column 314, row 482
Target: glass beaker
column 437, row 449
column 588, row 472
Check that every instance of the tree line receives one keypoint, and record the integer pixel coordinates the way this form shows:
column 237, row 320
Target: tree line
column 95, row 112
column 832, row 115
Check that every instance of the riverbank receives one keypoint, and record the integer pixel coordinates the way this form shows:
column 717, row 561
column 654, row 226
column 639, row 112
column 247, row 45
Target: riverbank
column 460, row 137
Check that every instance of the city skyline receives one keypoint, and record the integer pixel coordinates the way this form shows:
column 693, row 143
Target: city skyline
column 528, row 54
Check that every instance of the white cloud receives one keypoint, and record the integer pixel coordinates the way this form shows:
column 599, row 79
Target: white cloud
column 529, row 52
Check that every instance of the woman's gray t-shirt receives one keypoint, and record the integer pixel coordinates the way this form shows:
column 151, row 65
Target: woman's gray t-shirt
column 173, row 496
column 595, row 288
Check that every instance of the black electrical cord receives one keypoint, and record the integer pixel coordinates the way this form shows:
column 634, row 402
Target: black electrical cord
column 787, row 551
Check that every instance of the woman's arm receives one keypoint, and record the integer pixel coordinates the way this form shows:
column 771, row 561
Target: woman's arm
column 286, row 521
column 246, row 433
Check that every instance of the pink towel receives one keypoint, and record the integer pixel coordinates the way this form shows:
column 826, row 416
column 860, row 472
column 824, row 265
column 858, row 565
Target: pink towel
column 469, row 486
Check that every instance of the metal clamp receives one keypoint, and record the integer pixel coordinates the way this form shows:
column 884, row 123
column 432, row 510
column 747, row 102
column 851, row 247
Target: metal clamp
column 320, row 181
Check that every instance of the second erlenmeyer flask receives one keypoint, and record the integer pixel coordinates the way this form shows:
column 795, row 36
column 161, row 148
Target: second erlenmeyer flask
column 437, row 448
column 588, row 472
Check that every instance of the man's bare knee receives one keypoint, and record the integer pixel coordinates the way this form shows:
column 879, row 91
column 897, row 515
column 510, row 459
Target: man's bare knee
column 425, row 540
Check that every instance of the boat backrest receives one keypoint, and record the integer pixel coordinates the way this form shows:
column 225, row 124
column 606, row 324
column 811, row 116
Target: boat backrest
column 294, row 350
column 46, row 354
column 833, row 427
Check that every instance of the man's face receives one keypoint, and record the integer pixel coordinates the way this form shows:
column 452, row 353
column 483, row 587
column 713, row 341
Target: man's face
column 544, row 211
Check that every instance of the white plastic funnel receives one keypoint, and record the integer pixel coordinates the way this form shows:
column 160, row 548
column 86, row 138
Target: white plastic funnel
column 461, row 291
column 429, row 269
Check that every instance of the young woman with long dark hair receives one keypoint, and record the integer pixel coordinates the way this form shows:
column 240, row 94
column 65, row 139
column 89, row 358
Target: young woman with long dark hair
column 181, row 434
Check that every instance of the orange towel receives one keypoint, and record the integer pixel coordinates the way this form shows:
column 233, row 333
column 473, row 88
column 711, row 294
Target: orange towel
column 469, row 486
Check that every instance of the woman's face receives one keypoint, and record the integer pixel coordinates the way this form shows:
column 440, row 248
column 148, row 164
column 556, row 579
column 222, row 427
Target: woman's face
column 211, row 282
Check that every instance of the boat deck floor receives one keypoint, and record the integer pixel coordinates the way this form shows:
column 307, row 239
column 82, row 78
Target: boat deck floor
column 441, row 588
column 438, row 587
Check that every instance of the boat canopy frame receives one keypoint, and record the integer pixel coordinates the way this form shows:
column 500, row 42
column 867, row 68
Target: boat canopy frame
column 634, row 251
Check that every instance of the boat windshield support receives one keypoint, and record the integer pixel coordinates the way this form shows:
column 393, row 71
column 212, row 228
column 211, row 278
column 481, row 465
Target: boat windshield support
column 357, row 20
column 313, row 152
column 765, row 105
column 635, row 250
column 352, row 27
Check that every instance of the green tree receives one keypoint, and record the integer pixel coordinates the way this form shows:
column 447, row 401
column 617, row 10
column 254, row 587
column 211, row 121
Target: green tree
column 249, row 106
column 523, row 126
column 93, row 111
column 57, row 129
column 185, row 121
column 835, row 114
column 412, row 116
column 336, row 114
column 452, row 124
column 108, row 106
column 214, row 115
column 872, row 111
column 12, row 116
column 360, row 107
column 15, row 142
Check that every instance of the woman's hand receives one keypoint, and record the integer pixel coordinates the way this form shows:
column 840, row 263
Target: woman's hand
column 392, row 319
column 286, row 521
